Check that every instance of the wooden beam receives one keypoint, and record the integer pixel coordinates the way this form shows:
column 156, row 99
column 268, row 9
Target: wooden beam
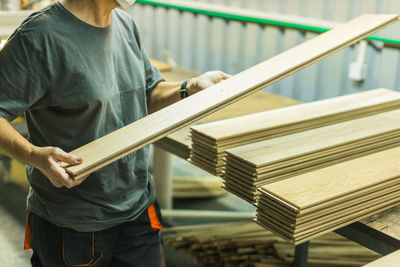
column 132, row 137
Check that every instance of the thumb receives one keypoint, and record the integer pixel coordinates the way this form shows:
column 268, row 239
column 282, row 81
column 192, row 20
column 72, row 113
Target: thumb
column 225, row 76
column 68, row 158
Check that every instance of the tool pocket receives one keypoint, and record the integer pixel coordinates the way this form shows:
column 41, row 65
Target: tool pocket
column 81, row 248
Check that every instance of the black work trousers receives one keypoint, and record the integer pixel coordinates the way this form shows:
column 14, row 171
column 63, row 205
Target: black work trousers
column 136, row 243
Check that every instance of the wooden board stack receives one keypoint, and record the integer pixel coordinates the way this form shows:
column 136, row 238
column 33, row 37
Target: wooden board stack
column 306, row 206
column 134, row 136
column 247, row 244
column 254, row 165
column 210, row 140
column 197, row 187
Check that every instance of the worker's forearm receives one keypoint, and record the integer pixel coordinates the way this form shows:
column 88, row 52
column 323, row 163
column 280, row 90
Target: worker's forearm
column 164, row 94
column 167, row 93
column 13, row 144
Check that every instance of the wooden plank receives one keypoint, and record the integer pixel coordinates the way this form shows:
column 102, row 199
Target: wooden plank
column 323, row 109
column 331, row 228
column 161, row 66
column 316, row 187
column 179, row 142
column 337, row 196
column 386, row 222
column 392, row 260
column 296, row 165
column 331, row 206
column 288, row 149
column 309, row 150
column 339, row 213
column 268, row 125
column 124, row 141
column 232, row 177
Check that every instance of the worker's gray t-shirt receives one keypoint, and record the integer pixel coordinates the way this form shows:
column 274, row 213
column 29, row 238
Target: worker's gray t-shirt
column 76, row 83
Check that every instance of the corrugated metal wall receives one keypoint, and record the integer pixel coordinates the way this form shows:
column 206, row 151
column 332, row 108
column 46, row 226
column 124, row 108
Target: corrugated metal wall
column 204, row 43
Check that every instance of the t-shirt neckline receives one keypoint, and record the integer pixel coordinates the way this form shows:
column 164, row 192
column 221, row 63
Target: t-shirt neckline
column 81, row 22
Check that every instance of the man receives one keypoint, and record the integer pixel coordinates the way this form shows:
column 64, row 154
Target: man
column 78, row 71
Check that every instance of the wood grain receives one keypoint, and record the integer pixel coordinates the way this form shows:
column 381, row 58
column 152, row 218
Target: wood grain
column 392, row 260
column 211, row 140
column 306, row 206
column 132, row 137
column 319, row 186
column 254, row 165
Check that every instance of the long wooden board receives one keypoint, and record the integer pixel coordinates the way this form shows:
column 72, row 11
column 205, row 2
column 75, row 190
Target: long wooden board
column 283, row 149
column 330, row 228
column 259, row 122
column 211, row 140
column 261, row 163
column 126, row 140
column 317, row 187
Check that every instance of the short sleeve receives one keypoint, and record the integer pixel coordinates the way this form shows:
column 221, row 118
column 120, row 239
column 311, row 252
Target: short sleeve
column 153, row 75
column 24, row 78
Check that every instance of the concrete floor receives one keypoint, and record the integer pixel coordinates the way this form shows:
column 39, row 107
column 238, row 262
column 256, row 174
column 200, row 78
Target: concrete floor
column 12, row 241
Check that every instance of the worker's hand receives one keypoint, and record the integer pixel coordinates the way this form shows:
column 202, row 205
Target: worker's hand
column 206, row 80
column 48, row 161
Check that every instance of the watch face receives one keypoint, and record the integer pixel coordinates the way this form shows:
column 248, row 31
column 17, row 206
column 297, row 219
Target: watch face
column 126, row 3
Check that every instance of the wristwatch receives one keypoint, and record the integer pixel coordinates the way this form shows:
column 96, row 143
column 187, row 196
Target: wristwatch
column 184, row 90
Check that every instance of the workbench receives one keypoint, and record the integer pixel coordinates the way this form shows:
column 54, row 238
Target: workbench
column 380, row 233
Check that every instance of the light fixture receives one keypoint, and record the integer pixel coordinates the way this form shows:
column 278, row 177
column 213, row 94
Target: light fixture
column 2, row 43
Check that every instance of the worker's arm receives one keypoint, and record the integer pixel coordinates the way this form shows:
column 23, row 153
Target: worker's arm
column 46, row 159
column 167, row 93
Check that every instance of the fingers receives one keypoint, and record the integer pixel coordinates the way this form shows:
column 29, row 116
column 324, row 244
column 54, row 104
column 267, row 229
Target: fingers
column 61, row 155
column 225, row 76
column 56, row 183
column 219, row 75
column 59, row 177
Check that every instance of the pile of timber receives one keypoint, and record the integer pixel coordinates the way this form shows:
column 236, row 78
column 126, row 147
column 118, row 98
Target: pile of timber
column 116, row 145
column 306, row 206
column 197, row 187
column 247, row 244
column 251, row 166
column 210, row 140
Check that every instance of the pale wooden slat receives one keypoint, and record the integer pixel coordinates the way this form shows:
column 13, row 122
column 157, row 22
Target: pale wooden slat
column 124, row 141
column 393, row 260
column 331, row 228
column 208, row 152
column 260, row 122
column 322, row 185
column 321, row 139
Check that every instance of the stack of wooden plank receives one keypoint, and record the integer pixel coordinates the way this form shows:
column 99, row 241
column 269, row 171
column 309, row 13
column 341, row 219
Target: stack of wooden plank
column 247, row 244
column 306, row 206
column 254, row 165
column 210, row 140
column 197, row 187
column 157, row 125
